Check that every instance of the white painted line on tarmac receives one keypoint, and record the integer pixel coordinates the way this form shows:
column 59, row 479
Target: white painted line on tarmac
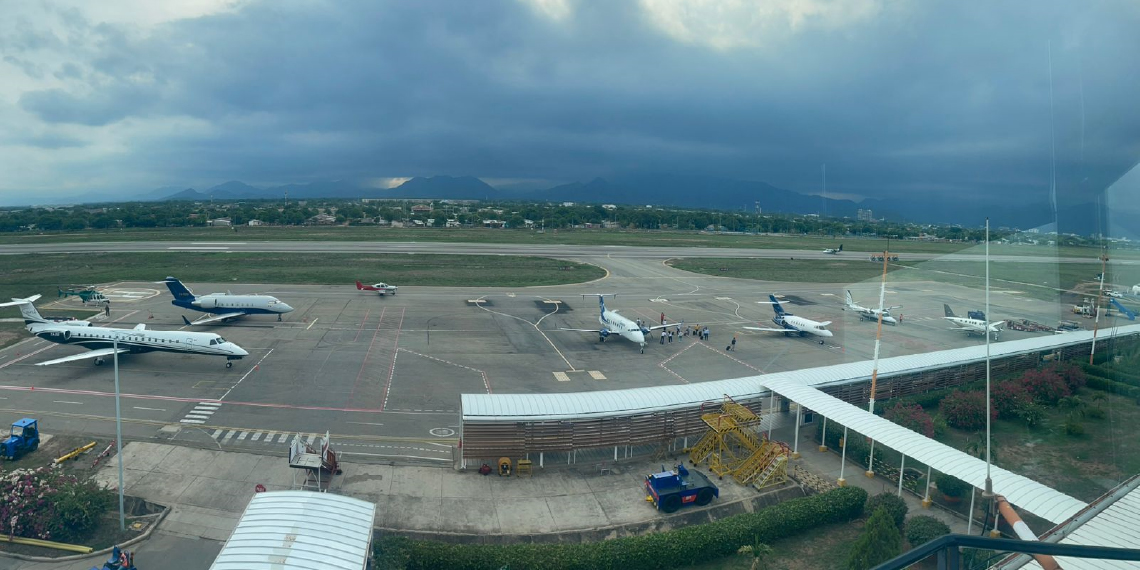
column 67, row 402
column 312, row 323
column 366, row 423
column 393, row 455
column 242, row 435
column 186, row 421
column 256, row 436
column 229, row 434
column 151, row 409
column 208, row 405
column 282, row 438
column 216, row 433
column 269, row 436
column 218, row 243
column 196, row 248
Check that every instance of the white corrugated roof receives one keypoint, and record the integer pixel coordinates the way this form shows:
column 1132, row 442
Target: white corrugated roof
column 549, row 407
column 1026, row 493
column 283, row 530
column 1117, row 525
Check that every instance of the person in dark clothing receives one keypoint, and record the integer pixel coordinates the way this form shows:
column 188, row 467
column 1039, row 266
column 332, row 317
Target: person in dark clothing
column 107, row 308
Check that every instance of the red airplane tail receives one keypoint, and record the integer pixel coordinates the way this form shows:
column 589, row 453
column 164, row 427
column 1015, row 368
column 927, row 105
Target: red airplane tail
column 359, row 286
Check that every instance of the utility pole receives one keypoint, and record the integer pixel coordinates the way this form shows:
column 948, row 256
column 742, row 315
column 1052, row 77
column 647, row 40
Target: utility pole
column 119, row 436
column 878, row 340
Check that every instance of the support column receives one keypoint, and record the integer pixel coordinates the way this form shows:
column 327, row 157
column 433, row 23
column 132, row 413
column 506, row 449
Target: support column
column 540, row 460
column 823, row 440
column 902, row 469
column 771, row 414
column 870, row 473
column 842, row 458
column 615, row 453
column 926, row 502
column 970, row 515
column 796, row 438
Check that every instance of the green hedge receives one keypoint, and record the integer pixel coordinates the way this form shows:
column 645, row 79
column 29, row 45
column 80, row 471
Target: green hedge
column 932, row 398
column 684, row 546
column 1112, row 386
column 1113, row 373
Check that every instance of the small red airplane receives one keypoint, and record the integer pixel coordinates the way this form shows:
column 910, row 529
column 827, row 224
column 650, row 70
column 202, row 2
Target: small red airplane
column 381, row 288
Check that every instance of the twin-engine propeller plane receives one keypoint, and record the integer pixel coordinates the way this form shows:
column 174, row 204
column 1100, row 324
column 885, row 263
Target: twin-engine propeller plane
column 100, row 341
column 834, row 251
column 223, row 306
column 615, row 324
column 790, row 323
column 973, row 325
column 869, row 314
column 380, row 288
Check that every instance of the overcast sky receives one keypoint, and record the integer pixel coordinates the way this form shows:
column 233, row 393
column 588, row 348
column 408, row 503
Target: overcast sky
column 898, row 98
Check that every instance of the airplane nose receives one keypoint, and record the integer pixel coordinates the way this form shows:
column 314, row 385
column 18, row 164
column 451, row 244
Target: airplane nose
column 827, row 334
column 286, row 308
column 237, row 350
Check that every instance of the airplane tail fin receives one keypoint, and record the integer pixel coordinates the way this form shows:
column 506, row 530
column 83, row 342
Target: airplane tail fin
column 27, row 309
column 60, row 293
column 180, row 291
column 601, row 299
column 187, row 321
column 359, row 286
column 949, row 313
column 850, row 301
column 840, row 247
column 776, row 306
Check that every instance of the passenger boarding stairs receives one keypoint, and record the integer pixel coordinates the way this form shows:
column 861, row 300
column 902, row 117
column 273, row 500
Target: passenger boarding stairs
column 732, row 446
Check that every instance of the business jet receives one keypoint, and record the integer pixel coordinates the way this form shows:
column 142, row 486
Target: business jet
column 100, row 341
column 834, row 251
column 615, row 324
column 869, row 314
column 790, row 323
column 223, row 306
column 972, row 325
column 380, row 288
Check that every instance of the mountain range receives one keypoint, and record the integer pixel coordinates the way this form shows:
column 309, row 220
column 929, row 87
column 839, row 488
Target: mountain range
column 685, row 191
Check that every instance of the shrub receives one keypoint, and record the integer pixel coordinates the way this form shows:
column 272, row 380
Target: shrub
column 951, row 486
column 1045, row 386
column 895, row 505
column 1073, row 376
column 1096, row 413
column 912, row 417
column 1073, row 425
column 880, row 541
column 683, row 546
column 1008, row 396
column 46, row 503
column 922, row 529
column 940, row 425
column 1031, row 413
column 965, row 410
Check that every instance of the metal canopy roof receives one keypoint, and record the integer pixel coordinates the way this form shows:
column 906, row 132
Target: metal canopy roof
column 1026, row 493
column 283, row 530
column 581, row 405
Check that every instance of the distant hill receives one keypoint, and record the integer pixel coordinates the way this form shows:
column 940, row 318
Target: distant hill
column 454, row 187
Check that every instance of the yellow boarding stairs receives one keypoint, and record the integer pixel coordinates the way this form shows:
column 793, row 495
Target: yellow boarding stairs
column 731, row 446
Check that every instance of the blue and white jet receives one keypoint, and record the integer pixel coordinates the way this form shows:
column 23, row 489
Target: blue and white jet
column 790, row 324
column 224, row 306
column 615, row 324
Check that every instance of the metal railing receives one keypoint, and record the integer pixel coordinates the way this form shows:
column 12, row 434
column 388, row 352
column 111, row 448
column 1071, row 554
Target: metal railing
column 949, row 557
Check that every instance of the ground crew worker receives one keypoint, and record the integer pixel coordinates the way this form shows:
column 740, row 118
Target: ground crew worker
column 107, row 308
column 662, row 318
column 733, row 345
column 662, row 337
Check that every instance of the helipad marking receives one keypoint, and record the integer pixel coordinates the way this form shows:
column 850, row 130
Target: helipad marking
column 561, row 377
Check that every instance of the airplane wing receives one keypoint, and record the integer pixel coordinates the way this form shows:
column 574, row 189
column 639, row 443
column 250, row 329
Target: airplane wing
column 997, row 325
column 768, row 329
column 825, row 323
column 582, row 330
column 82, row 356
column 655, row 327
column 214, row 318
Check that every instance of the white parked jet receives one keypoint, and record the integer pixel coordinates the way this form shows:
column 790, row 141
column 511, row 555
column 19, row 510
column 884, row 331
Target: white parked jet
column 790, row 323
column 223, row 306
column 869, row 314
column 972, row 326
column 834, row 251
column 613, row 323
column 100, row 341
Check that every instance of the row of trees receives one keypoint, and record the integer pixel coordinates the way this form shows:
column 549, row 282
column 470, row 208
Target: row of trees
column 550, row 215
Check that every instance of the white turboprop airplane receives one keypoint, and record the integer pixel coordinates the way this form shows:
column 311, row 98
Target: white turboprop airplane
column 869, row 314
column 223, row 306
column 613, row 323
column 100, row 341
column 972, row 326
column 790, row 323
column 834, row 251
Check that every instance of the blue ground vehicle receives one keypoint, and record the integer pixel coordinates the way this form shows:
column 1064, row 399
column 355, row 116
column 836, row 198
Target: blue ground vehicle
column 25, row 437
column 120, row 560
column 670, row 490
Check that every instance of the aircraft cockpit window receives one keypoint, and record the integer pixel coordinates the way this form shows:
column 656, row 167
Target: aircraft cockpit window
column 221, row 340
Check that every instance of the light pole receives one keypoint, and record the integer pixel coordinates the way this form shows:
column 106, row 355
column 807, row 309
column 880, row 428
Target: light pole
column 119, row 435
column 988, row 492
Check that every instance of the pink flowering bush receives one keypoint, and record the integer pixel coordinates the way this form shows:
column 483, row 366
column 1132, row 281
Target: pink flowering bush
column 48, row 504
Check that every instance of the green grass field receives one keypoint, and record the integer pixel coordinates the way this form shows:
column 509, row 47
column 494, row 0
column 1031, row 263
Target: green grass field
column 27, row 275
column 646, row 238
column 1044, row 281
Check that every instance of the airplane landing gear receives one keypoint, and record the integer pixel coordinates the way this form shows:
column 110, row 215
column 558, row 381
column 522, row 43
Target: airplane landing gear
column 278, row 317
column 821, row 343
column 229, row 364
column 99, row 361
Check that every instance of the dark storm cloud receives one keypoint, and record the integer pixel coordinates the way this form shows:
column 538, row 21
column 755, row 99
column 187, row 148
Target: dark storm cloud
column 923, row 98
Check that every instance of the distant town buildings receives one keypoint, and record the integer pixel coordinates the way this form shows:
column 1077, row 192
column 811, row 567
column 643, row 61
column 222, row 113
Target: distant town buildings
column 864, row 215
column 219, row 222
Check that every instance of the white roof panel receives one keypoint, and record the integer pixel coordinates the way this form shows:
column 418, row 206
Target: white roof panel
column 1026, row 493
column 284, row 530
column 552, row 407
